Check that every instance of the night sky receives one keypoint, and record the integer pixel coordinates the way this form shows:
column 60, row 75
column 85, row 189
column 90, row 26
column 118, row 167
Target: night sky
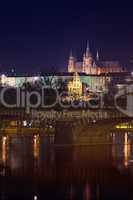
column 39, row 36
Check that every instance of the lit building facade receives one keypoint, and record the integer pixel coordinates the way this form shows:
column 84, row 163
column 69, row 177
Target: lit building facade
column 73, row 81
column 91, row 65
column 75, row 86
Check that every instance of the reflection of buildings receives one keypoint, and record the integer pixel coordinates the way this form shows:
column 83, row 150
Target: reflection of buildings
column 127, row 152
column 4, row 150
column 89, row 65
column 122, row 149
column 36, row 146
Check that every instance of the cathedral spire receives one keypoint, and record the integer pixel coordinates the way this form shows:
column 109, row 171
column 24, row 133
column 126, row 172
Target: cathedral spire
column 71, row 53
column 88, row 49
column 71, row 62
column 97, row 56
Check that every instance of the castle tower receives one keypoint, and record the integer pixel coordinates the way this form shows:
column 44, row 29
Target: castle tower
column 87, row 49
column 97, row 56
column 71, row 63
column 87, row 61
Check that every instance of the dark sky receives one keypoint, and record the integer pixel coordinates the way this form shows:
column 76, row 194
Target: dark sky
column 37, row 35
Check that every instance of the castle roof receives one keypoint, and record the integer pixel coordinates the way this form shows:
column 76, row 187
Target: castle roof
column 107, row 63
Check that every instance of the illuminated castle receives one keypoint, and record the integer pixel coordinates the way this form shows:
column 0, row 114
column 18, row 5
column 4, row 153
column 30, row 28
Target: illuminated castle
column 90, row 65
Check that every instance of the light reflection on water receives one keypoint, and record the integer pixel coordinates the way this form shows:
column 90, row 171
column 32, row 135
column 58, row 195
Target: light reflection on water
column 91, row 172
column 4, row 150
column 36, row 146
column 127, row 152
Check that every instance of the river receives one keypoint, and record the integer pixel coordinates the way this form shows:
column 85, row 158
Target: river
column 33, row 170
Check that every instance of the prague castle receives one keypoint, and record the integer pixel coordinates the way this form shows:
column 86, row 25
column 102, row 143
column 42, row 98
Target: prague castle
column 91, row 65
column 91, row 75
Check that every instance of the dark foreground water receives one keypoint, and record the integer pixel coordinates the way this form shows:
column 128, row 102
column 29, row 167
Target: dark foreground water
column 30, row 169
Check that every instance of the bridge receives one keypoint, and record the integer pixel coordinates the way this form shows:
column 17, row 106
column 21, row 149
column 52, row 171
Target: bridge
column 84, row 132
column 69, row 127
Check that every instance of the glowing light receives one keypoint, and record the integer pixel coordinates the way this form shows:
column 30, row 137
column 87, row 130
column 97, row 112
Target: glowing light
column 126, row 150
column 35, row 197
column 36, row 78
column 25, row 123
column 36, row 146
column 75, row 86
column 4, row 139
column 113, row 144
column 124, row 126
column 4, row 149
column 3, row 79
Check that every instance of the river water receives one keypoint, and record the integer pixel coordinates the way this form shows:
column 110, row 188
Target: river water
column 31, row 169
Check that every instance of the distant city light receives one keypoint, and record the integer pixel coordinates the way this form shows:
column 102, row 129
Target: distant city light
column 4, row 138
column 124, row 126
column 36, row 78
column 35, row 197
column 3, row 79
column 3, row 75
column 25, row 123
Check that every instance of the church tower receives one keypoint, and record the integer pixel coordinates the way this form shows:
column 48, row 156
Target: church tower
column 87, row 61
column 71, row 63
column 97, row 56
